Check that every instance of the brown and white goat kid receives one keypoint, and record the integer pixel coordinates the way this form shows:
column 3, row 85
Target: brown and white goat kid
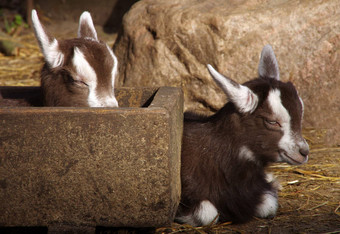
column 224, row 156
column 79, row 71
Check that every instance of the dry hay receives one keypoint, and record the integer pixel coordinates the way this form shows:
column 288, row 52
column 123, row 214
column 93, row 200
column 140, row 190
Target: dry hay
column 24, row 67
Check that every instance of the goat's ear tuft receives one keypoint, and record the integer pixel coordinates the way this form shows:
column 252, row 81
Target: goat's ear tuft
column 86, row 28
column 243, row 98
column 268, row 66
column 48, row 45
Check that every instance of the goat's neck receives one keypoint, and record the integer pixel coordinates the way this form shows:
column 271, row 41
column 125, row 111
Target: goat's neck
column 226, row 128
column 227, row 123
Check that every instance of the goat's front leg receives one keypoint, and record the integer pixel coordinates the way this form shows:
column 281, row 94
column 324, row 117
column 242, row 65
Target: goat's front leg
column 268, row 207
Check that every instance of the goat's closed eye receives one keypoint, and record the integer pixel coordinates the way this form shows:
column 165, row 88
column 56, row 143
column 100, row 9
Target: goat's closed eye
column 82, row 83
column 272, row 123
column 77, row 82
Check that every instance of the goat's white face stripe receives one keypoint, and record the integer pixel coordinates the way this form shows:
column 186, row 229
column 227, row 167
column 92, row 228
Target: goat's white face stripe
column 274, row 98
column 287, row 143
column 84, row 69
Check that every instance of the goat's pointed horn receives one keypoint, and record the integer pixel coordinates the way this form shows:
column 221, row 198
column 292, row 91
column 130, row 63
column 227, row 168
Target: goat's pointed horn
column 268, row 66
column 48, row 45
column 86, row 27
column 244, row 98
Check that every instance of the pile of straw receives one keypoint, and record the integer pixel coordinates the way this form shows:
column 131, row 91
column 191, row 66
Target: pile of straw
column 22, row 68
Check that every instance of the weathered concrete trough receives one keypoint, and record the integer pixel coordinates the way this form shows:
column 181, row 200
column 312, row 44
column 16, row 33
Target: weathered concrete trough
column 88, row 167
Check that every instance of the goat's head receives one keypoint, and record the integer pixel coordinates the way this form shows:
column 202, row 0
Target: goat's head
column 270, row 112
column 79, row 71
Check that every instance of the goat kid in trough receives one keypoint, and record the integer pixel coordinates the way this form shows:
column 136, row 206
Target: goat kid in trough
column 79, row 71
column 224, row 156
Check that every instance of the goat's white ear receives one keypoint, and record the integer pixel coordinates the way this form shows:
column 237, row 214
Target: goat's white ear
column 268, row 66
column 86, row 27
column 48, row 45
column 243, row 98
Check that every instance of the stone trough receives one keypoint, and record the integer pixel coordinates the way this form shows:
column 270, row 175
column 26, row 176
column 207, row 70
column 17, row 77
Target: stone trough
column 90, row 167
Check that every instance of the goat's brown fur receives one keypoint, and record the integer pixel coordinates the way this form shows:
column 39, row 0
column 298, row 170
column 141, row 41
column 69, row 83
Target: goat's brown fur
column 212, row 168
column 79, row 71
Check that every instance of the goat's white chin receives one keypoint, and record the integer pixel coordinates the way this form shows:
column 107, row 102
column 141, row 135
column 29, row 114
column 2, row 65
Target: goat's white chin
column 293, row 159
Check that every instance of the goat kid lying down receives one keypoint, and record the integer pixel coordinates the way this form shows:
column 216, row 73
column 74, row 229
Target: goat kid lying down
column 224, row 156
column 79, row 71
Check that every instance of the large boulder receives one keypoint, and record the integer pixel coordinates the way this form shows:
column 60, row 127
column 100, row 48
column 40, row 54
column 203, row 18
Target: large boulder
column 169, row 43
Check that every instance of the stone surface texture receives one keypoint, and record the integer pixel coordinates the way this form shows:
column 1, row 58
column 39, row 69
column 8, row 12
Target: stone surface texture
column 104, row 12
column 169, row 43
column 87, row 167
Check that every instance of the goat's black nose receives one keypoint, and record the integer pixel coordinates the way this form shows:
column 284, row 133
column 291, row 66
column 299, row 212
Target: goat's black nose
column 304, row 151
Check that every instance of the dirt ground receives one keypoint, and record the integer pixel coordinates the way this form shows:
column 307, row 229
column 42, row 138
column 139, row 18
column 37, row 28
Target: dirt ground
column 310, row 195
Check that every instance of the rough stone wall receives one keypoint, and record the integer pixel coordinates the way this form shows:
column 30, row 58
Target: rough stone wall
column 170, row 43
column 108, row 13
